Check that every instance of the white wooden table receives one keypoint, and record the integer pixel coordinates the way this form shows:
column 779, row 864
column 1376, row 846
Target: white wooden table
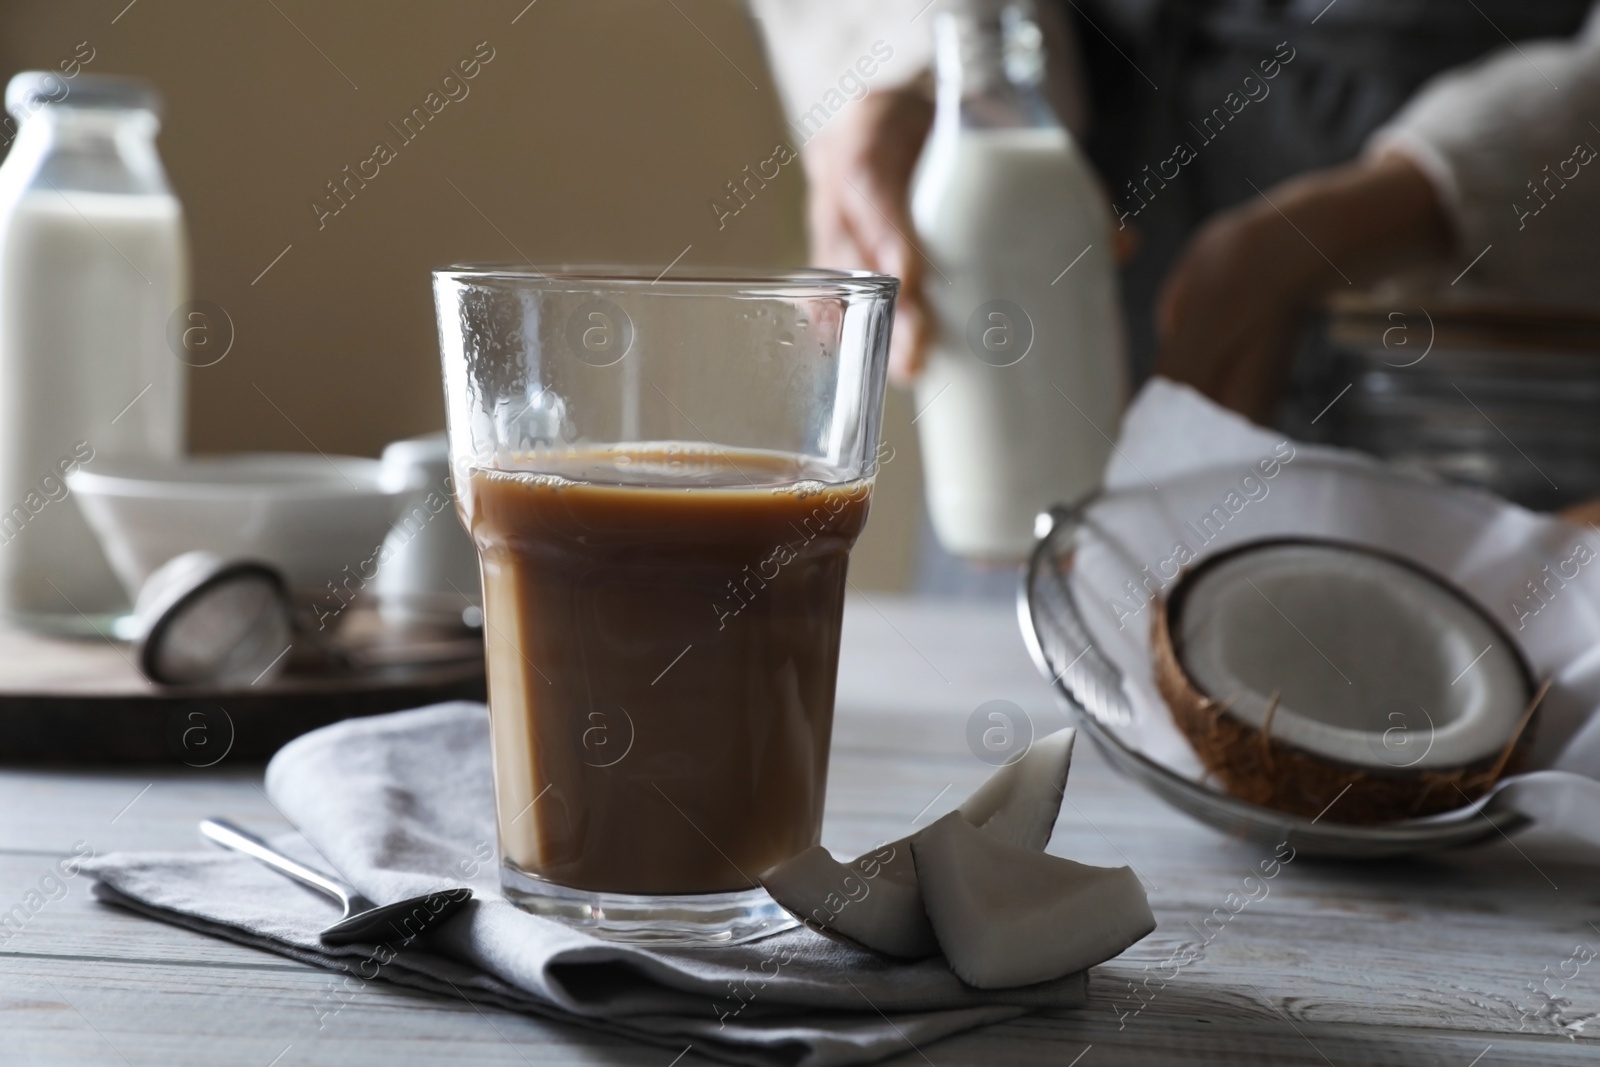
column 1473, row 958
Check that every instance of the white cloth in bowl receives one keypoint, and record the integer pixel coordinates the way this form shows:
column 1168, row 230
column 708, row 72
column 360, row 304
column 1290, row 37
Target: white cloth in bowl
column 1188, row 474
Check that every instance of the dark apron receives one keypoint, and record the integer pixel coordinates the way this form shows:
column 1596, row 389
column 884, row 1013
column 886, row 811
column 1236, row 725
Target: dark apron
column 1157, row 71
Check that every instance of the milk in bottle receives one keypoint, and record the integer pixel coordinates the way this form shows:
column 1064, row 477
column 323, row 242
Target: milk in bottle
column 1027, row 379
column 93, row 263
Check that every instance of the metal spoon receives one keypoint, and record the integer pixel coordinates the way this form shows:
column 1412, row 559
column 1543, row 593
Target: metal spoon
column 363, row 921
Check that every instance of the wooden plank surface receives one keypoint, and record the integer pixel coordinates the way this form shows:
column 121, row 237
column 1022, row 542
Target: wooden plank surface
column 1427, row 961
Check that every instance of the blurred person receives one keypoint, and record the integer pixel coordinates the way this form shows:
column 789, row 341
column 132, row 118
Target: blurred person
column 1328, row 145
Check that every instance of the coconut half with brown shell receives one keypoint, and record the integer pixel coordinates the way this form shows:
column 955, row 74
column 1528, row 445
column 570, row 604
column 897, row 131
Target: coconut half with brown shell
column 1321, row 678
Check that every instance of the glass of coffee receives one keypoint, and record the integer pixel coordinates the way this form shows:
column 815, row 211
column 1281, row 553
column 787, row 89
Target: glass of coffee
column 663, row 476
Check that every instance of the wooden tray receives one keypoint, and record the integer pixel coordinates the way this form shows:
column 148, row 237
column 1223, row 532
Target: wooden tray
column 84, row 701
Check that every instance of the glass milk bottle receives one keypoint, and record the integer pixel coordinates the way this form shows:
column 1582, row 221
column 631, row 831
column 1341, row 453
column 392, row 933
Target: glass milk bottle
column 1027, row 378
column 93, row 262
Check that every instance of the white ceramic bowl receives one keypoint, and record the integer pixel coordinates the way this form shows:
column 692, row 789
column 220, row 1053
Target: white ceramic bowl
column 319, row 519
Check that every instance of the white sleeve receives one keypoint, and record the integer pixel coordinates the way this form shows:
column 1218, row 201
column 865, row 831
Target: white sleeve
column 824, row 53
column 1509, row 143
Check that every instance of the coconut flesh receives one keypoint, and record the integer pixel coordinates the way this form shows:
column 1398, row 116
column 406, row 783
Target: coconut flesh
column 1303, row 670
column 1002, row 912
column 1009, row 916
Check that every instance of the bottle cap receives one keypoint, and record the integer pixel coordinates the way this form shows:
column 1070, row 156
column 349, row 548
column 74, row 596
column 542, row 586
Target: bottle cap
column 33, row 89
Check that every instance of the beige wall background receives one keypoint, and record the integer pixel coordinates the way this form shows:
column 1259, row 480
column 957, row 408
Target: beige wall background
column 599, row 131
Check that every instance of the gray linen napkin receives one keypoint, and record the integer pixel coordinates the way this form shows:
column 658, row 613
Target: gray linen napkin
column 402, row 805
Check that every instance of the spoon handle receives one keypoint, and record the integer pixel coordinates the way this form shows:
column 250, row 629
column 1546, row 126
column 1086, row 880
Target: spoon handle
column 228, row 835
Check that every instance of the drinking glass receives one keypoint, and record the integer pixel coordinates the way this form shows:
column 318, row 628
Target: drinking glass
column 663, row 477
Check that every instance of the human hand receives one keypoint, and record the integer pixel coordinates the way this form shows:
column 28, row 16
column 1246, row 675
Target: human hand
column 1233, row 305
column 859, row 169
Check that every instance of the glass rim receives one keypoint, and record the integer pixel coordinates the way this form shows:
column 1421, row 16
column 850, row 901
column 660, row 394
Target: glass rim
column 698, row 280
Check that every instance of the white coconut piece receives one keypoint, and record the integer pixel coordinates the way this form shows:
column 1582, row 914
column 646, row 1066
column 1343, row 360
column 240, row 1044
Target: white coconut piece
column 1019, row 803
column 873, row 901
column 1008, row 916
column 1302, row 670
column 1349, row 637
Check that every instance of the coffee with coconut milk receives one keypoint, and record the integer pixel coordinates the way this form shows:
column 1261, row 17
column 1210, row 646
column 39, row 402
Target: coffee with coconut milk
column 663, row 635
